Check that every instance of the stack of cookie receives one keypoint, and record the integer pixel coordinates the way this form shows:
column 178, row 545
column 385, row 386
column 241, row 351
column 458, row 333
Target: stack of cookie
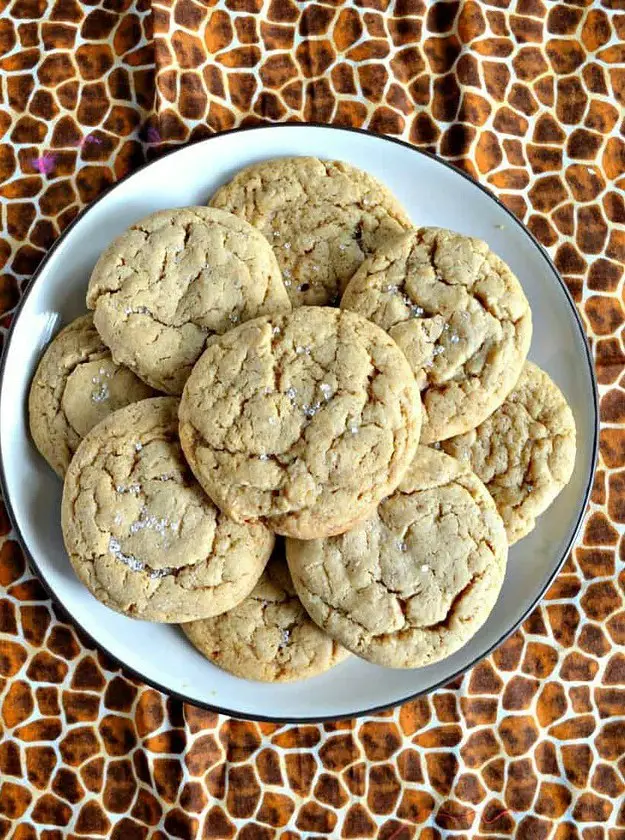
column 217, row 399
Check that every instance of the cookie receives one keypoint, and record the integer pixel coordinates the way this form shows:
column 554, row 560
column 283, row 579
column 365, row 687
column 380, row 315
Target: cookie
column 459, row 315
column 413, row 583
column 524, row 452
column 174, row 279
column 321, row 217
column 304, row 421
column 76, row 385
column 139, row 531
column 269, row 636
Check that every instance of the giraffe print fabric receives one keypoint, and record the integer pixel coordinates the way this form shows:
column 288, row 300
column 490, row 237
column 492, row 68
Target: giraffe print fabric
column 528, row 97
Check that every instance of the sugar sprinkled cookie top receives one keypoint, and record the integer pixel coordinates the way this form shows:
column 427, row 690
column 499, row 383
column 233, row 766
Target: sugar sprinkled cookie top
column 303, row 420
column 321, row 217
column 139, row 531
column 76, row 385
column 268, row 636
column 415, row 581
column 524, row 452
column 459, row 315
column 174, row 279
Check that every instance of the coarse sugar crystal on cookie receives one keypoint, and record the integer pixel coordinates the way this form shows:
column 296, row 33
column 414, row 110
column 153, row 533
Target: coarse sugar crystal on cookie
column 269, row 636
column 140, row 532
column 174, row 279
column 304, row 421
column 321, row 217
column 76, row 385
column 460, row 316
column 412, row 584
column 524, row 452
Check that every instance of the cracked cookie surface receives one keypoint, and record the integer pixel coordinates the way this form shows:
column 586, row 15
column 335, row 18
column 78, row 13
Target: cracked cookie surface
column 459, row 315
column 140, row 532
column 174, row 279
column 321, row 217
column 269, row 636
column 524, row 452
column 304, row 420
column 76, row 385
column 413, row 583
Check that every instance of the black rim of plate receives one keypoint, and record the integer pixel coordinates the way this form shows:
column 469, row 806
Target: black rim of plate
column 420, row 692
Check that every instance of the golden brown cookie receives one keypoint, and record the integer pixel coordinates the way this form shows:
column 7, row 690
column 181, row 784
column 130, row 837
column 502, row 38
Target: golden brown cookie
column 304, row 421
column 413, row 583
column 459, row 315
column 321, row 217
column 139, row 531
column 524, row 452
column 174, row 279
column 76, row 385
column 269, row 636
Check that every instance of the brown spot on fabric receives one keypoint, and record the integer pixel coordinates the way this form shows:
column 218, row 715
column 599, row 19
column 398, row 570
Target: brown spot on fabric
column 10, row 760
column 268, row 767
column 18, row 704
column 47, row 668
column 540, row 659
column 14, row 800
column 167, row 774
column 300, row 771
column 521, row 785
column 50, row 810
column 600, row 600
column 118, row 734
column 519, row 693
column 580, row 698
column 384, row 789
column 615, row 668
column 40, row 763
column 415, row 806
column 592, row 808
column 315, row 818
column 276, row 809
column 409, row 766
column 338, row 752
column 479, row 748
column 484, row 680
column 518, row 733
column 380, row 740
column 469, row 788
column 67, row 785
column 564, row 620
column 476, row 711
column 243, row 792
column 610, row 741
column 573, row 728
column 147, row 808
column 120, row 695
column 606, row 781
column 553, row 800
column 92, row 820
column 442, row 769
column 355, row 778
column 87, row 675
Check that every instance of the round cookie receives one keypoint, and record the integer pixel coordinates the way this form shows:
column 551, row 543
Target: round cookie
column 413, row 583
column 76, row 385
column 304, row 421
column 321, row 217
column 269, row 636
column 459, row 315
column 175, row 278
column 139, row 531
column 524, row 452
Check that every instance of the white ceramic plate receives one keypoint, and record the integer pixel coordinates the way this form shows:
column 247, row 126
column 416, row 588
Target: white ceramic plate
column 434, row 194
